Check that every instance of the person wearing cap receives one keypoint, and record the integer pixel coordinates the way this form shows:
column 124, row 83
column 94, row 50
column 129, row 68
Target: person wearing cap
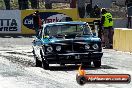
column 37, row 22
column 107, row 23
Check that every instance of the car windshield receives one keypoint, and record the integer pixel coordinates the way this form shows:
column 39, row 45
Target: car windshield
column 65, row 29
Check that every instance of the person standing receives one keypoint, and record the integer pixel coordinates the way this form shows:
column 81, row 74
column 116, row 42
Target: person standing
column 48, row 4
column 34, row 4
column 7, row 4
column 88, row 9
column 20, row 3
column 23, row 4
column 37, row 22
column 128, row 4
column 96, row 11
column 107, row 23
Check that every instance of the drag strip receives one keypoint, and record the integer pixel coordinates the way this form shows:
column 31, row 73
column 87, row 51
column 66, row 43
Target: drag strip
column 18, row 68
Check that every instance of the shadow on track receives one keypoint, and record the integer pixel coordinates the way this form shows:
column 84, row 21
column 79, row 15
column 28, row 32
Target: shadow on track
column 75, row 67
column 17, row 35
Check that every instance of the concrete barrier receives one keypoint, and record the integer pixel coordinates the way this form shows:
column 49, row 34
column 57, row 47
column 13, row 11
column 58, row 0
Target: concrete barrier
column 122, row 39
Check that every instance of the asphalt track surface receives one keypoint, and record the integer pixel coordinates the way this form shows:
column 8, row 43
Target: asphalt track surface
column 17, row 67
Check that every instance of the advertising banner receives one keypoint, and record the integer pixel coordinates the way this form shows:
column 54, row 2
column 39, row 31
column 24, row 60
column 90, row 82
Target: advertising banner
column 47, row 16
column 10, row 21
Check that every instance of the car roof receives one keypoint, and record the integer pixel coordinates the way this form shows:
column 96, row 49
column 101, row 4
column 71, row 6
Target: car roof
column 69, row 22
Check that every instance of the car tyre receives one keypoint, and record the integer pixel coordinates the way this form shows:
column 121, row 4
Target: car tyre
column 45, row 64
column 97, row 63
column 41, row 53
column 38, row 62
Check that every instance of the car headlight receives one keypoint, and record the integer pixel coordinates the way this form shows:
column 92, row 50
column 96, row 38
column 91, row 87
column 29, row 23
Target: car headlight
column 95, row 46
column 58, row 48
column 87, row 47
column 49, row 49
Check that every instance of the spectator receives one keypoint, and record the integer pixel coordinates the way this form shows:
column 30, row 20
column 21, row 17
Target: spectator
column 107, row 23
column 73, row 3
column 95, row 13
column 88, row 9
column 48, row 4
column 7, row 4
column 128, row 4
column 23, row 4
column 37, row 22
column 20, row 3
column 34, row 4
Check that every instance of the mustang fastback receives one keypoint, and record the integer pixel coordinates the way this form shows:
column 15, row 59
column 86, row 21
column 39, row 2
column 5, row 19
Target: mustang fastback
column 67, row 43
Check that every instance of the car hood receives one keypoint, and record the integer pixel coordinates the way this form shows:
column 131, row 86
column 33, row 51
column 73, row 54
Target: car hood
column 84, row 39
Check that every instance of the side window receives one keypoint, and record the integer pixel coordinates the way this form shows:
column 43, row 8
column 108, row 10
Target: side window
column 47, row 31
column 79, row 28
column 87, row 30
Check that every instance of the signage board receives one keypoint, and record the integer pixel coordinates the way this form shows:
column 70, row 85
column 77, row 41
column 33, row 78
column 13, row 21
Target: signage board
column 47, row 16
column 10, row 21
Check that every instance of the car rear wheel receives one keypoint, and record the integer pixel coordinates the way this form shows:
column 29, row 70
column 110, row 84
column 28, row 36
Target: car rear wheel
column 97, row 63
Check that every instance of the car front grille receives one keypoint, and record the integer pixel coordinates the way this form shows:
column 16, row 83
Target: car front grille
column 73, row 47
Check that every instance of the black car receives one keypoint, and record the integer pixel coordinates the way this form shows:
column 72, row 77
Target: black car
column 67, row 43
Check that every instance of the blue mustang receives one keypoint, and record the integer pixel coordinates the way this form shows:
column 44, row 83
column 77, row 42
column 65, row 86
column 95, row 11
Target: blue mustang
column 67, row 43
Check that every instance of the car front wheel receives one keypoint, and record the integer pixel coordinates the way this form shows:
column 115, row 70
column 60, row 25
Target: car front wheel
column 97, row 63
column 45, row 64
column 38, row 62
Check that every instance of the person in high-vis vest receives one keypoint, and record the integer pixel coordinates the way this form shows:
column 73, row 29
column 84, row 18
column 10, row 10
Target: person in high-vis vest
column 107, row 23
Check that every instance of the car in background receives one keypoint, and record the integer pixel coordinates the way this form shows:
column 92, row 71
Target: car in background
column 67, row 43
